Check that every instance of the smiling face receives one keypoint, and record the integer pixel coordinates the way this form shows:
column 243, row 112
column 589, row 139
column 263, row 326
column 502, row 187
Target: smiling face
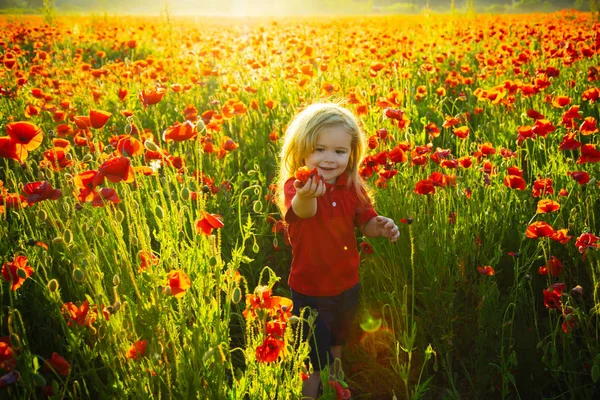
column 331, row 153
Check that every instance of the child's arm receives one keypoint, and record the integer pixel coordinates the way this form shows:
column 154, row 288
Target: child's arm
column 304, row 202
column 380, row 227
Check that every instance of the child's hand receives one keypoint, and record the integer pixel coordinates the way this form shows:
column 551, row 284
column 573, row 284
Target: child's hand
column 387, row 228
column 314, row 187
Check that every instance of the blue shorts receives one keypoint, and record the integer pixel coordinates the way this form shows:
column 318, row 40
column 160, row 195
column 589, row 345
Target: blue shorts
column 332, row 325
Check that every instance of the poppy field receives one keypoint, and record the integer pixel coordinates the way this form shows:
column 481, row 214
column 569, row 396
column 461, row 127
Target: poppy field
column 142, row 254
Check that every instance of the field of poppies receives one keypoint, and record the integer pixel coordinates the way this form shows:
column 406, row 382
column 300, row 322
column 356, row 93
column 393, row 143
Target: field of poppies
column 142, row 252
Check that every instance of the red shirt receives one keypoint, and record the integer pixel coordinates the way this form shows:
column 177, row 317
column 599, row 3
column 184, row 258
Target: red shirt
column 325, row 257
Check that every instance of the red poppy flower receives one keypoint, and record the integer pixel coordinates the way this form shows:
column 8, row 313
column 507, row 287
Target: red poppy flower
column 589, row 126
column 539, row 229
column 516, row 171
column 16, row 271
column 25, row 134
column 534, row 114
column 117, row 169
column 589, row 154
column 543, row 127
column 437, row 179
column 78, row 315
column 465, row 161
column 591, row 95
column 7, row 356
column 270, row 350
column 303, row 174
column 461, row 132
column 228, row 144
column 137, row 350
column 208, row 222
column 58, row 364
column 569, row 142
column 82, row 122
column 542, row 186
column 424, row 186
column 547, row 206
column 580, row 177
column 149, row 97
column 130, row 147
column 561, row 101
column 180, row 132
column 487, row 270
column 515, row 182
column 98, row 118
column 147, row 259
column 553, row 267
column 8, row 149
column 570, row 320
column 586, row 241
column 105, row 195
column 553, row 294
column 39, row 191
column 179, row 282
column 366, row 248
column 397, row 154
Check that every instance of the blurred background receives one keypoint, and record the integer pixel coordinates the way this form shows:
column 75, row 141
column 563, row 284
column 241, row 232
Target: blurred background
column 243, row 8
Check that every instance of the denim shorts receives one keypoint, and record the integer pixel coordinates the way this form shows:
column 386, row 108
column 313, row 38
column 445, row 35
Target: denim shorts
column 332, row 325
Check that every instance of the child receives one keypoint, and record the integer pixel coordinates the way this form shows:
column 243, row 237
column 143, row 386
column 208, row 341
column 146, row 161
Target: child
column 321, row 217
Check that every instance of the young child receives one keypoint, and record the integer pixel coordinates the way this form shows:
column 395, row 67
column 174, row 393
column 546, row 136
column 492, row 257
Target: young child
column 322, row 216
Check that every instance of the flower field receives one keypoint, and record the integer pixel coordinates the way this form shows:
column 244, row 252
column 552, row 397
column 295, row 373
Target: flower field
column 142, row 253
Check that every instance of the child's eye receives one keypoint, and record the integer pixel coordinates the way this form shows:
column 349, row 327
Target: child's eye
column 341, row 152
column 319, row 150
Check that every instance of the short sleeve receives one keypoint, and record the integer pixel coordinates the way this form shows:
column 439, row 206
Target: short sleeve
column 289, row 191
column 364, row 213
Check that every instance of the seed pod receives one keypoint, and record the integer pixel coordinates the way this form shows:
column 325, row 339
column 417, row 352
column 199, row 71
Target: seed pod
column 78, row 275
column 87, row 158
column 116, row 280
column 42, row 216
column 22, row 273
column 68, row 236
column 119, row 216
column 236, row 295
column 185, row 194
column 53, row 285
column 100, row 231
column 150, row 145
column 159, row 212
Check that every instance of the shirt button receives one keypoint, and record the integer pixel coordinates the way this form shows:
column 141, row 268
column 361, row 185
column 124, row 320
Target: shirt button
column 333, row 204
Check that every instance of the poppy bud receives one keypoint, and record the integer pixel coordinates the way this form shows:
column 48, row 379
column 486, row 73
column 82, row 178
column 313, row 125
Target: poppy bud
column 78, row 275
column 100, row 231
column 212, row 262
column 53, row 285
column 42, row 216
column 159, row 212
column 185, row 194
column 68, row 176
column 116, row 280
column 87, row 158
column 39, row 380
column 236, row 295
column 208, row 354
column 41, row 175
column 293, row 319
column 257, row 206
column 119, row 216
column 150, row 145
column 69, row 157
column 57, row 240
column 111, row 310
column 68, row 236
column 109, row 148
column 200, row 126
column 577, row 291
column 205, row 189
column 167, row 290
column 117, row 305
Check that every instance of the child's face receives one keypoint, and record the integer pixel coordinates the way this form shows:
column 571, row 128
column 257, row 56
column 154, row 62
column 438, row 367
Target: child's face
column 331, row 153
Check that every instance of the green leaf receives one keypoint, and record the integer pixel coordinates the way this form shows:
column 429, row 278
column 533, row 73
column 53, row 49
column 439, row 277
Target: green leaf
column 595, row 373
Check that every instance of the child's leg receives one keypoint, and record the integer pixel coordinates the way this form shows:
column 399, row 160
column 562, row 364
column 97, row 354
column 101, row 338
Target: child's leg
column 310, row 386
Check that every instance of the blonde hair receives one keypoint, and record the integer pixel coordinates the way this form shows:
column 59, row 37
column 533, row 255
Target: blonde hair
column 300, row 140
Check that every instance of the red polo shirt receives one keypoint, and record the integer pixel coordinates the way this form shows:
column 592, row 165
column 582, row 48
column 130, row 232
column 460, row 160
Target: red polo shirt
column 325, row 258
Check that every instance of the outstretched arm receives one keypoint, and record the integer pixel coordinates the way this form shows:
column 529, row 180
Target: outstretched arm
column 304, row 202
column 381, row 227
